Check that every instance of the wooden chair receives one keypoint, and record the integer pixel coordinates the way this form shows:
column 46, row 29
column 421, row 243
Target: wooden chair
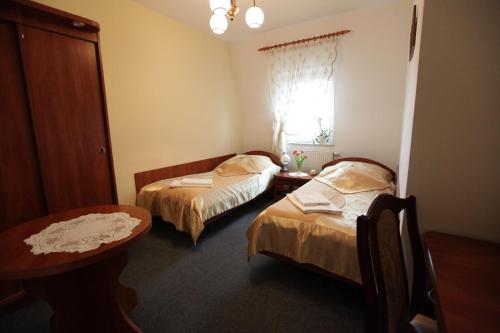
column 383, row 271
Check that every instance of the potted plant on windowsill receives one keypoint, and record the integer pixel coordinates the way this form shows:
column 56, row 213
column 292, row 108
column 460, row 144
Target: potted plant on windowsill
column 324, row 134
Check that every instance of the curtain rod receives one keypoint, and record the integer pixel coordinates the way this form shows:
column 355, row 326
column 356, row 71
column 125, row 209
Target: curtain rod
column 305, row 40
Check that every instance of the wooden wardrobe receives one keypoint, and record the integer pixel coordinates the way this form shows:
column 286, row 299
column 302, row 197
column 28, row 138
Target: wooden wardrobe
column 55, row 151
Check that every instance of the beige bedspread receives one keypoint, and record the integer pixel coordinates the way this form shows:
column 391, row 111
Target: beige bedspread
column 189, row 207
column 327, row 241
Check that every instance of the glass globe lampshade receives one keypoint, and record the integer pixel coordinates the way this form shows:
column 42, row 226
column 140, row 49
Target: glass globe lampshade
column 218, row 24
column 254, row 17
column 220, row 7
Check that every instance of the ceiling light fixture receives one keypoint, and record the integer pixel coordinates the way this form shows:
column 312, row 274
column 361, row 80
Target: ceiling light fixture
column 228, row 9
column 254, row 16
column 220, row 7
column 218, row 23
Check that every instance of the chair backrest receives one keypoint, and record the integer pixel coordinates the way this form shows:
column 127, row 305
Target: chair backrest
column 382, row 265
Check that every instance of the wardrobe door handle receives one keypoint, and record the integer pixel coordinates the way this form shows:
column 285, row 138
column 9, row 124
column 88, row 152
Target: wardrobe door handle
column 102, row 150
column 431, row 295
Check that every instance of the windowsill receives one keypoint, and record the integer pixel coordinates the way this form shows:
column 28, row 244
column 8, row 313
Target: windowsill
column 329, row 145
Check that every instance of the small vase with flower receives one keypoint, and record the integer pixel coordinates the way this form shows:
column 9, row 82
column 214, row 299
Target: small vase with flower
column 299, row 158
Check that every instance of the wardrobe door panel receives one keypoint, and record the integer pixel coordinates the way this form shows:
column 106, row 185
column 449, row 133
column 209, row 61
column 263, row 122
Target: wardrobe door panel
column 64, row 87
column 21, row 193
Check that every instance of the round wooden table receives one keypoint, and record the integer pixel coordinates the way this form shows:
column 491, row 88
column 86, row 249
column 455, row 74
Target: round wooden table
column 82, row 288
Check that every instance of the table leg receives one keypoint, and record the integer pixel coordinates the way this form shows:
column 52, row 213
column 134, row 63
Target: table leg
column 89, row 299
column 127, row 297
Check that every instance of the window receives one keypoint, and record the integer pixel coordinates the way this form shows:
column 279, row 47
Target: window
column 301, row 94
column 310, row 114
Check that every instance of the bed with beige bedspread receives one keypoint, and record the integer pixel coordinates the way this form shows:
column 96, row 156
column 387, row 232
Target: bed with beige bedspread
column 327, row 241
column 188, row 208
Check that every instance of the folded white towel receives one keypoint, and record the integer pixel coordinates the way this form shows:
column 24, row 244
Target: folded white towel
column 197, row 181
column 311, row 198
column 178, row 183
column 327, row 209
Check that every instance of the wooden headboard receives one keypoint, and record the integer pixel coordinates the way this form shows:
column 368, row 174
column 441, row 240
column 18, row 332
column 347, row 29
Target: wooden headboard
column 361, row 159
column 274, row 158
column 147, row 177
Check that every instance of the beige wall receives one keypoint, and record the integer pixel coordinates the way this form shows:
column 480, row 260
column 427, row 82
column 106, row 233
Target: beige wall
column 455, row 146
column 409, row 105
column 170, row 89
column 406, row 135
column 369, row 80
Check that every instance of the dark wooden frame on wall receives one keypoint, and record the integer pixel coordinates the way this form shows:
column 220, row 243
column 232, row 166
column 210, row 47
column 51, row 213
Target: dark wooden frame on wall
column 413, row 32
column 147, row 177
column 313, row 267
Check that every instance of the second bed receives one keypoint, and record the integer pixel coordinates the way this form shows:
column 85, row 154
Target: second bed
column 325, row 242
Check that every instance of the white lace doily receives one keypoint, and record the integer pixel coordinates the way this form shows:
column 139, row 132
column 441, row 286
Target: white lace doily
column 84, row 233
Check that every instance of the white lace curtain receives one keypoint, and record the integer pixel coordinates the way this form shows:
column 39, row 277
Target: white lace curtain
column 287, row 69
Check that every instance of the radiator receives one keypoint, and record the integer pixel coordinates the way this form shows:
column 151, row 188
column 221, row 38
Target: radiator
column 316, row 156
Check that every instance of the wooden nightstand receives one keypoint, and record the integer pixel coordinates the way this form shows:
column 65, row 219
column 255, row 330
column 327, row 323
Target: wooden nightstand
column 284, row 183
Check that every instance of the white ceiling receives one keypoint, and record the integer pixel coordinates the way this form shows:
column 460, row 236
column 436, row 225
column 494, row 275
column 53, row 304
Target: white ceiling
column 278, row 13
